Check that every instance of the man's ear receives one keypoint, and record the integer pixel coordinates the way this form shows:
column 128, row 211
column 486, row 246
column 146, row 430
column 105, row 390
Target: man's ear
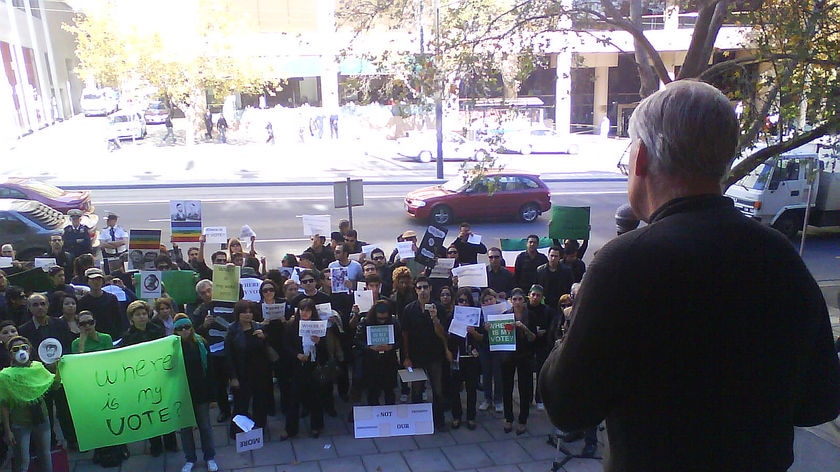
column 642, row 160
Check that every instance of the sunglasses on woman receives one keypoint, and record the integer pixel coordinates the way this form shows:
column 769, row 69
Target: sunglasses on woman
column 183, row 328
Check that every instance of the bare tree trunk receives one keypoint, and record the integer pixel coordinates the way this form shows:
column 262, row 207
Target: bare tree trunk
column 647, row 75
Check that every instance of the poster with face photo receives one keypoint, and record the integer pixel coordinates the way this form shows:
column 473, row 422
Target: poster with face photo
column 143, row 248
column 185, row 220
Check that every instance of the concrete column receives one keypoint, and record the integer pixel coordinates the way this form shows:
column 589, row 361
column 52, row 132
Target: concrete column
column 672, row 15
column 600, row 101
column 329, row 62
column 562, row 93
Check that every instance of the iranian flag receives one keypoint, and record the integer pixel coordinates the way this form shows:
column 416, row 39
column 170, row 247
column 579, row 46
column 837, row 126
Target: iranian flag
column 512, row 247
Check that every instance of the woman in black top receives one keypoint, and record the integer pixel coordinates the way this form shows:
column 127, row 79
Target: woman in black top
column 519, row 362
column 303, row 356
column 250, row 368
column 379, row 361
column 466, row 367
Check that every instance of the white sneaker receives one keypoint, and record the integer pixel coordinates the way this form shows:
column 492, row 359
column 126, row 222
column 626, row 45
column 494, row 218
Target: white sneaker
column 540, row 406
column 212, row 466
column 187, row 467
column 500, row 407
column 483, row 406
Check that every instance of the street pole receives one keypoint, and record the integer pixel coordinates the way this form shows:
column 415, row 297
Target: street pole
column 438, row 95
column 349, row 204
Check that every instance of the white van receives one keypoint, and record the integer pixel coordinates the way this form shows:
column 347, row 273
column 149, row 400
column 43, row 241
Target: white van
column 99, row 101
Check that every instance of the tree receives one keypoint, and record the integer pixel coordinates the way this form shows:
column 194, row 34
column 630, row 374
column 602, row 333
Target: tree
column 183, row 59
column 788, row 67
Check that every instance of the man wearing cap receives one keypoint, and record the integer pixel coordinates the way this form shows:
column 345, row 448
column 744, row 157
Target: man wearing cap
column 76, row 235
column 103, row 305
column 113, row 239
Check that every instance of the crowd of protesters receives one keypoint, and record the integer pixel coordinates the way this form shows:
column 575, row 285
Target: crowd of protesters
column 247, row 363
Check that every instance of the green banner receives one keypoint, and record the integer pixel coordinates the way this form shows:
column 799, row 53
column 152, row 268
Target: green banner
column 129, row 394
column 502, row 333
column 179, row 284
column 569, row 222
column 226, row 283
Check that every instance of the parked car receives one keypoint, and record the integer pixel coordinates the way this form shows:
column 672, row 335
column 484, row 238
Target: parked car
column 156, row 112
column 50, row 195
column 127, row 124
column 541, row 139
column 102, row 101
column 27, row 225
column 498, row 193
column 423, row 147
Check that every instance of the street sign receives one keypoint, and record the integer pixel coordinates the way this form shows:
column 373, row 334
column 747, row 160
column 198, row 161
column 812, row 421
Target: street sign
column 355, row 193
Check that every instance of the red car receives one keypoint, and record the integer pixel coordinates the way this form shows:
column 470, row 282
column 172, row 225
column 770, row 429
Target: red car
column 50, row 195
column 497, row 194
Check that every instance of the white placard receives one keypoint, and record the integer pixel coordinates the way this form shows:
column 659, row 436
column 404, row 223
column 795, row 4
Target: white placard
column 245, row 424
column 274, row 311
column 324, row 310
column 367, row 249
column 392, row 420
column 364, row 299
column 250, row 288
column 116, row 291
column 405, row 249
column 471, row 275
column 356, row 256
column 250, row 440
column 504, row 326
column 442, row 269
column 316, row 224
column 380, row 334
column 312, row 328
column 474, row 239
column 338, row 277
column 215, row 235
column 413, row 375
column 469, row 315
column 246, row 233
column 150, row 284
column 45, row 263
column 6, row 262
column 496, row 309
column 458, row 328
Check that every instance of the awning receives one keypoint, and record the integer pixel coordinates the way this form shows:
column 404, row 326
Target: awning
column 300, row 66
column 357, row 66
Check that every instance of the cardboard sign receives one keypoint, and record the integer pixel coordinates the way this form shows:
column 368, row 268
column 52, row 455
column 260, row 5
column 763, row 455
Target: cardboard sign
column 143, row 247
column 430, row 245
column 502, row 333
column 273, row 311
column 316, row 224
column 569, row 222
column 215, row 235
column 250, row 440
column 380, row 334
column 392, row 420
column 150, row 284
column 471, row 275
column 442, row 269
column 226, row 283
column 364, row 300
column 312, row 328
column 185, row 220
column 250, row 288
column 45, row 263
column 469, row 315
column 338, row 277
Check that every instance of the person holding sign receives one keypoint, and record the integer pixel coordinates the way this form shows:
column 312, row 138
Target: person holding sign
column 519, row 363
column 376, row 343
column 23, row 386
column 142, row 330
column 303, row 355
column 466, row 366
column 250, row 368
column 200, row 379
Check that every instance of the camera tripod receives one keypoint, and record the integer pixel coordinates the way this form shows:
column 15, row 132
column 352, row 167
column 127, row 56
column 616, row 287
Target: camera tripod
column 556, row 441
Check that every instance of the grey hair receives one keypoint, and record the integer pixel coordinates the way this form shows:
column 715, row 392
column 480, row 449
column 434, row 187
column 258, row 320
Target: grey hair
column 689, row 129
column 34, row 296
column 203, row 283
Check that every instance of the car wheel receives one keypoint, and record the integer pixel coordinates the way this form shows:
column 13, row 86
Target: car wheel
column 425, row 157
column 529, row 212
column 789, row 225
column 441, row 215
column 480, row 155
column 527, row 149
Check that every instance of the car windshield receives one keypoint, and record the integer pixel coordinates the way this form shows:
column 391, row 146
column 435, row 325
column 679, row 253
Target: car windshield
column 119, row 119
column 757, row 179
column 44, row 189
column 157, row 106
column 454, row 185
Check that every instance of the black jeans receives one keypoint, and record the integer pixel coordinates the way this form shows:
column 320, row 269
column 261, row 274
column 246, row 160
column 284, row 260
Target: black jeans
column 468, row 371
column 306, row 392
column 434, row 371
column 523, row 368
column 222, row 377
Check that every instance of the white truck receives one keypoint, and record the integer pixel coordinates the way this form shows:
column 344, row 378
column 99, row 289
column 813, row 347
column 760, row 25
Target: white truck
column 778, row 191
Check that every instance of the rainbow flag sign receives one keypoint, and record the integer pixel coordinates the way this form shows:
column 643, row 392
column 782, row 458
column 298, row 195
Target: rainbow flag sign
column 143, row 247
column 185, row 220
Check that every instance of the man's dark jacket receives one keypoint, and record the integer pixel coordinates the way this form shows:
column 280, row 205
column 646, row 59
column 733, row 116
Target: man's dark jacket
column 702, row 339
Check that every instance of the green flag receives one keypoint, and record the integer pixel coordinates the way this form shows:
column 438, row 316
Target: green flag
column 569, row 222
column 129, row 394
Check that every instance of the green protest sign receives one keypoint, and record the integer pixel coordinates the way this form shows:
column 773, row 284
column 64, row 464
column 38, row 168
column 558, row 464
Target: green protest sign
column 502, row 332
column 129, row 394
column 179, row 284
column 226, row 283
column 569, row 222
